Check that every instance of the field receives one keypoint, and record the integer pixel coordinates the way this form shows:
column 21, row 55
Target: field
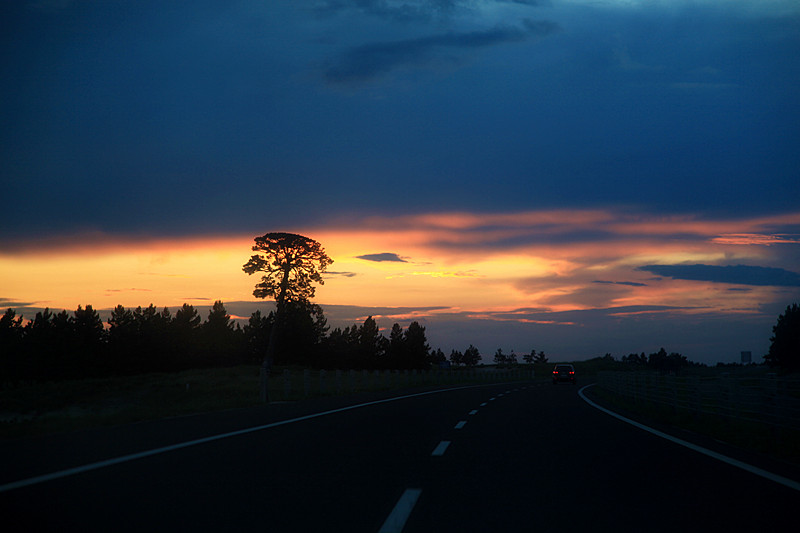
column 42, row 408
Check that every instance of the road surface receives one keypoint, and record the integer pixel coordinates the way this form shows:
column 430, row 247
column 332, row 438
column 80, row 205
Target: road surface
column 509, row 457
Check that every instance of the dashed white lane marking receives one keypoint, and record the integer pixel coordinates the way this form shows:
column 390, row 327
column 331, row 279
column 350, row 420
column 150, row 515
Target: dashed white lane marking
column 461, row 424
column 492, row 399
column 724, row 458
column 484, row 404
column 397, row 518
column 474, row 412
column 508, row 392
column 441, row 448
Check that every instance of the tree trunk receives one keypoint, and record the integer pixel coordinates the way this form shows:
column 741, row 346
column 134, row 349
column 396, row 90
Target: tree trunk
column 269, row 358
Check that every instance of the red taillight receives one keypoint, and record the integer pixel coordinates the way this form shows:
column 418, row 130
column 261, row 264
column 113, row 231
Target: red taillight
column 571, row 372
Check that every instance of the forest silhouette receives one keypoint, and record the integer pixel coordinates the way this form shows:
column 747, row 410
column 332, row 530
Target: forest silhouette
column 64, row 345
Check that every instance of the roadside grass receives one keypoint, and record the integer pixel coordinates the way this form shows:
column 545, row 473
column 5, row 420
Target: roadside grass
column 54, row 407
column 780, row 443
column 42, row 408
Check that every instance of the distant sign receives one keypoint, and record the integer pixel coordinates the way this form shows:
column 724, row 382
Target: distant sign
column 746, row 357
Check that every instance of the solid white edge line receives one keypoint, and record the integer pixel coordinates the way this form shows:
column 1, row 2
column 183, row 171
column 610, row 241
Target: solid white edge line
column 441, row 448
column 147, row 453
column 396, row 520
column 710, row 453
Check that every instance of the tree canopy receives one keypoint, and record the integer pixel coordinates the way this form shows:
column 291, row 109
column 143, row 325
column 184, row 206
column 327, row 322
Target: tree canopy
column 784, row 352
column 291, row 265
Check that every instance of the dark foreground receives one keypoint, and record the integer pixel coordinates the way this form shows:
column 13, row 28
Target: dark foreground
column 528, row 456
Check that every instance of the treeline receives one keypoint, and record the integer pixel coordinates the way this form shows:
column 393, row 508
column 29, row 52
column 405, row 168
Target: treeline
column 660, row 361
column 64, row 345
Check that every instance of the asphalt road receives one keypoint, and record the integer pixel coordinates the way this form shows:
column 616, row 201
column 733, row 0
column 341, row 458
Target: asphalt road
column 513, row 457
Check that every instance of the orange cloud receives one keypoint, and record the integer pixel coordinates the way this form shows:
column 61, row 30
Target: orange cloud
column 470, row 261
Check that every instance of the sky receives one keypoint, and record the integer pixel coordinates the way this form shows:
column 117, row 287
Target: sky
column 572, row 176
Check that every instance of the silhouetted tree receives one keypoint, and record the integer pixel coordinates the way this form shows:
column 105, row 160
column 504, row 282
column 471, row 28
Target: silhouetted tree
column 88, row 342
column 218, row 333
column 471, row 356
column 635, row 359
column 397, row 346
column 437, row 357
column 123, row 339
column 10, row 329
column 303, row 327
column 256, row 334
column 499, row 357
column 416, row 354
column 511, row 359
column 184, row 338
column 673, row 363
column 456, row 357
column 11, row 348
column 369, row 348
column 529, row 357
column 784, row 350
column 540, row 358
column 291, row 265
column 338, row 347
column 152, row 330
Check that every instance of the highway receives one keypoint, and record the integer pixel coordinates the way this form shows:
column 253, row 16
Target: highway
column 506, row 457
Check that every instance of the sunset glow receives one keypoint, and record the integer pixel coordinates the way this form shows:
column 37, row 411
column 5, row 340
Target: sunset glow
column 437, row 263
column 574, row 175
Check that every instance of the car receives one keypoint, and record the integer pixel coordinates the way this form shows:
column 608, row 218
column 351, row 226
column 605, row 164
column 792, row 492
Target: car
column 563, row 372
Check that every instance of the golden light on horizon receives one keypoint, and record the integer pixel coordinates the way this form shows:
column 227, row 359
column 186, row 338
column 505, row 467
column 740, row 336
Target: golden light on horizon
column 436, row 260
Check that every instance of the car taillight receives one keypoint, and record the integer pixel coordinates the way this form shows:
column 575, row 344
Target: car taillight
column 571, row 372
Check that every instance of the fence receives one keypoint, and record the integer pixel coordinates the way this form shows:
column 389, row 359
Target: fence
column 296, row 384
column 766, row 400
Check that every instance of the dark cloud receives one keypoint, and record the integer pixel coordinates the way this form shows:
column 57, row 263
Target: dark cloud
column 386, row 256
column 342, row 274
column 405, row 11
column 12, row 303
column 368, row 61
column 595, row 296
column 132, row 289
column 399, row 11
column 738, row 274
column 629, row 283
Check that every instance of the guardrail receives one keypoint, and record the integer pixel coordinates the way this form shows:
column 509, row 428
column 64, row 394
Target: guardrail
column 767, row 400
column 296, row 384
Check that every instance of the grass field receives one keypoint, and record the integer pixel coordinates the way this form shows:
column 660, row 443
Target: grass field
column 43, row 408
column 781, row 443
